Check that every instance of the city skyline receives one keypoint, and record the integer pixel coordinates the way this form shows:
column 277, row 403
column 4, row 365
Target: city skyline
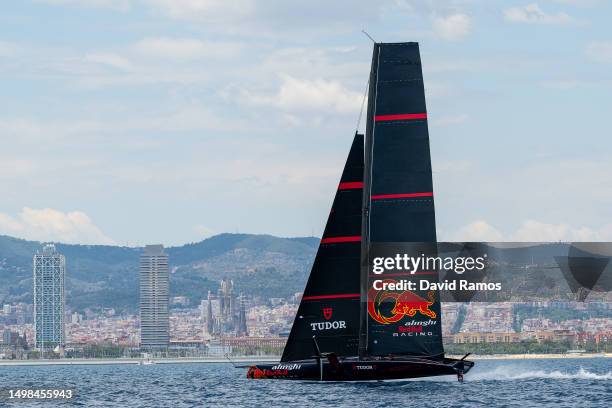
column 218, row 324
column 503, row 324
column 204, row 104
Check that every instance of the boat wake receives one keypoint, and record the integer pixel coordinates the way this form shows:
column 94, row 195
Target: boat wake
column 518, row 373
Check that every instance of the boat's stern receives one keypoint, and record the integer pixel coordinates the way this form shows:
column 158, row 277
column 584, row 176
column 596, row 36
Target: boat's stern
column 255, row 372
column 288, row 371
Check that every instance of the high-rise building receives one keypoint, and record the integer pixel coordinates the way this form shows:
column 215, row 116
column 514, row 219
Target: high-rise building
column 210, row 325
column 49, row 299
column 154, row 298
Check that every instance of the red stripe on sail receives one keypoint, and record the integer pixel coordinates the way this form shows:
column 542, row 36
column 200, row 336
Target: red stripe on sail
column 350, row 185
column 406, row 195
column 340, row 296
column 334, row 240
column 401, row 116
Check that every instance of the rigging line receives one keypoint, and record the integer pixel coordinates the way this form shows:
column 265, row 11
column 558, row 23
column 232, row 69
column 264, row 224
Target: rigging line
column 369, row 191
column 365, row 95
column 369, row 36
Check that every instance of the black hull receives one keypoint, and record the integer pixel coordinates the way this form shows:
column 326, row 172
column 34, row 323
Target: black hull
column 353, row 369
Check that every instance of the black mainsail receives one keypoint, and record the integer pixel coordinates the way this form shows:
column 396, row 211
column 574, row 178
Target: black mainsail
column 398, row 204
column 329, row 309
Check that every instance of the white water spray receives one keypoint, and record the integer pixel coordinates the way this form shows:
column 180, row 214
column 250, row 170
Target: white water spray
column 519, row 373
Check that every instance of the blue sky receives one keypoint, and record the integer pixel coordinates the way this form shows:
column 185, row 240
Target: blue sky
column 139, row 121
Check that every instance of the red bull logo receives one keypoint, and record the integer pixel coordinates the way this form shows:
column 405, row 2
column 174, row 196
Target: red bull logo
column 406, row 303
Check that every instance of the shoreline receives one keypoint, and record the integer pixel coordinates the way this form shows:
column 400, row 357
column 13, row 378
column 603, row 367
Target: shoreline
column 138, row 361
column 274, row 359
column 539, row 356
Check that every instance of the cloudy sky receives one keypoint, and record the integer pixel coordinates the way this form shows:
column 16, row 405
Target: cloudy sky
column 140, row 121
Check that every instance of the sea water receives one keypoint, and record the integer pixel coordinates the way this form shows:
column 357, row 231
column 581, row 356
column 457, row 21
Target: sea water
column 492, row 383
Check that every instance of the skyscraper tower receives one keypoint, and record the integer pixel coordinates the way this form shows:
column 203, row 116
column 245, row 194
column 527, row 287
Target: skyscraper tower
column 49, row 300
column 154, row 298
column 209, row 316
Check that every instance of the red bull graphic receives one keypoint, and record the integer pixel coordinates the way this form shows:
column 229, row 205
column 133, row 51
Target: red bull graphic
column 407, row 303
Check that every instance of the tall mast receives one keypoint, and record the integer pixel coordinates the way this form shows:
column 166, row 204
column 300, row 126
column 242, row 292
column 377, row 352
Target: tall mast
column 367, row 189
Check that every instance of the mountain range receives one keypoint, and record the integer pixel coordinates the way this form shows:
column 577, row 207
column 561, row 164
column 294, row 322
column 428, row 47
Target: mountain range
column 265, row 266
column 99, row 276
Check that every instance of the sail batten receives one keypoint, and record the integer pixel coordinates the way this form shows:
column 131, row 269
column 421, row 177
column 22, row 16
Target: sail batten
column 349, row 185
column 400, row 116
column 336, row 240
column 402, row 195
column 339, row 296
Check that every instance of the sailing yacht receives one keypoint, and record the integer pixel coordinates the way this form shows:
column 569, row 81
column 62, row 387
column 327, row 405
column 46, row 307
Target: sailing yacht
column 344, row 329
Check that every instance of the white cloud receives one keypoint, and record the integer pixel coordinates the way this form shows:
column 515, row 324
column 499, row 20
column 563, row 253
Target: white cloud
column 111, row 60
column 185, row 48
column 25, row 130
column 202, row 231
column 478, row 231
column 533, row 14
column 564, row 84
column 600, row 51
column 206, row 10
column 572, row 84
column 579, row 3
column 62, row 134
column 257, row 18
column 119, row 5
column 436, row 90
column 7, row 49
column 297, row 94
column 193, row 117
column 11, row 167
column 537, row 231
column 531, row 231
column 453, row 27
column 453, row 166
column 450, row 120
column 134, row 64
column 48, row 224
